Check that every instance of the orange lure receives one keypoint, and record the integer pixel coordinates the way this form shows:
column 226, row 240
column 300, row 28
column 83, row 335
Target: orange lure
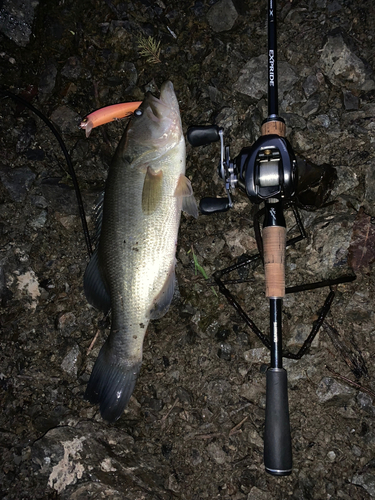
column 108, row 114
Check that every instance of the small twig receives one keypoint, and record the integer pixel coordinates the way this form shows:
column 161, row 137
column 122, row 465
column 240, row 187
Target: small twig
column 94, row 42
column 241, row 408
column 164, row 418
column 207, row 436
column 236, row 428
column 351, row 382
column 354, row 360
column 232, row 432
column 92, row 343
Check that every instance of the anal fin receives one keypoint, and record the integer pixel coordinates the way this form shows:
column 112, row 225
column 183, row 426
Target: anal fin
column 163, row 300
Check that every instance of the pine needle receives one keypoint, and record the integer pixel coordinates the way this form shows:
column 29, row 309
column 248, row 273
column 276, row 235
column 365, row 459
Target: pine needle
column 148, row 47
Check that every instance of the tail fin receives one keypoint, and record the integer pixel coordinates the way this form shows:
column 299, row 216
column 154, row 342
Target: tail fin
column 111, row 384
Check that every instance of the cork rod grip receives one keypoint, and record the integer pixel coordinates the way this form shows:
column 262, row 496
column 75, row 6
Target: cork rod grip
column 274, row 127
column 274, row 244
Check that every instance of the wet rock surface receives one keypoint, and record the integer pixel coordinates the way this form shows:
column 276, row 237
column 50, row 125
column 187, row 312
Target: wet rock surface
column 194, row 426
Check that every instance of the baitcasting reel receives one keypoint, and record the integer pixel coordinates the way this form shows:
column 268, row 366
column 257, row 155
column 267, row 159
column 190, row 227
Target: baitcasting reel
column 267, row 170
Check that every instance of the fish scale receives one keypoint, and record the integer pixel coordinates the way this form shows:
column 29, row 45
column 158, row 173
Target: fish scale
column 133, row 265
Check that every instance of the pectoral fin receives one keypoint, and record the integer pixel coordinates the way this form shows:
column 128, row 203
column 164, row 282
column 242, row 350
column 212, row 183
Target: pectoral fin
column 185, row 191
column 152, row 191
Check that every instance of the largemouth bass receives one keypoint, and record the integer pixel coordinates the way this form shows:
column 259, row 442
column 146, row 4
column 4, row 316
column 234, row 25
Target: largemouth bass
column 132, row 271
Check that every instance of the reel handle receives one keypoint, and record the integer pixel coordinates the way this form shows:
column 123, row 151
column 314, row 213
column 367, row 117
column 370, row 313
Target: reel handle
column 277, row 438
column 202, row 135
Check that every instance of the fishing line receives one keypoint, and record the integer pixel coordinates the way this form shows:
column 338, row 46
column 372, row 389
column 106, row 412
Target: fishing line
column 17, row 98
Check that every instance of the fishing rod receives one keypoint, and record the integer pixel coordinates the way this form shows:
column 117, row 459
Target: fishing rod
column 267, row 173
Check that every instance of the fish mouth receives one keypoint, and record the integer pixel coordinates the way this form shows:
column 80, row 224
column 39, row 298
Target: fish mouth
column 155, row 104
column 168, row 96
column 158, row 127
column 164, row 106
column 157, row 108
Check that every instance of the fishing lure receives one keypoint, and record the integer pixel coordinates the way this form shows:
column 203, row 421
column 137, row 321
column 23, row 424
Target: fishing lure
column 108, row 114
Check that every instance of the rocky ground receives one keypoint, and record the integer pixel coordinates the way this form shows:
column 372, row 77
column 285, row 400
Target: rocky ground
column 194, row 426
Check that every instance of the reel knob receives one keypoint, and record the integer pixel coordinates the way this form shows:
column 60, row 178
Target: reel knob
column 209, row 205
column 202, row 135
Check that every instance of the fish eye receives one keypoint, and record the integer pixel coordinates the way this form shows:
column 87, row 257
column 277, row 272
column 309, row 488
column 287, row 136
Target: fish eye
column 138, row 112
